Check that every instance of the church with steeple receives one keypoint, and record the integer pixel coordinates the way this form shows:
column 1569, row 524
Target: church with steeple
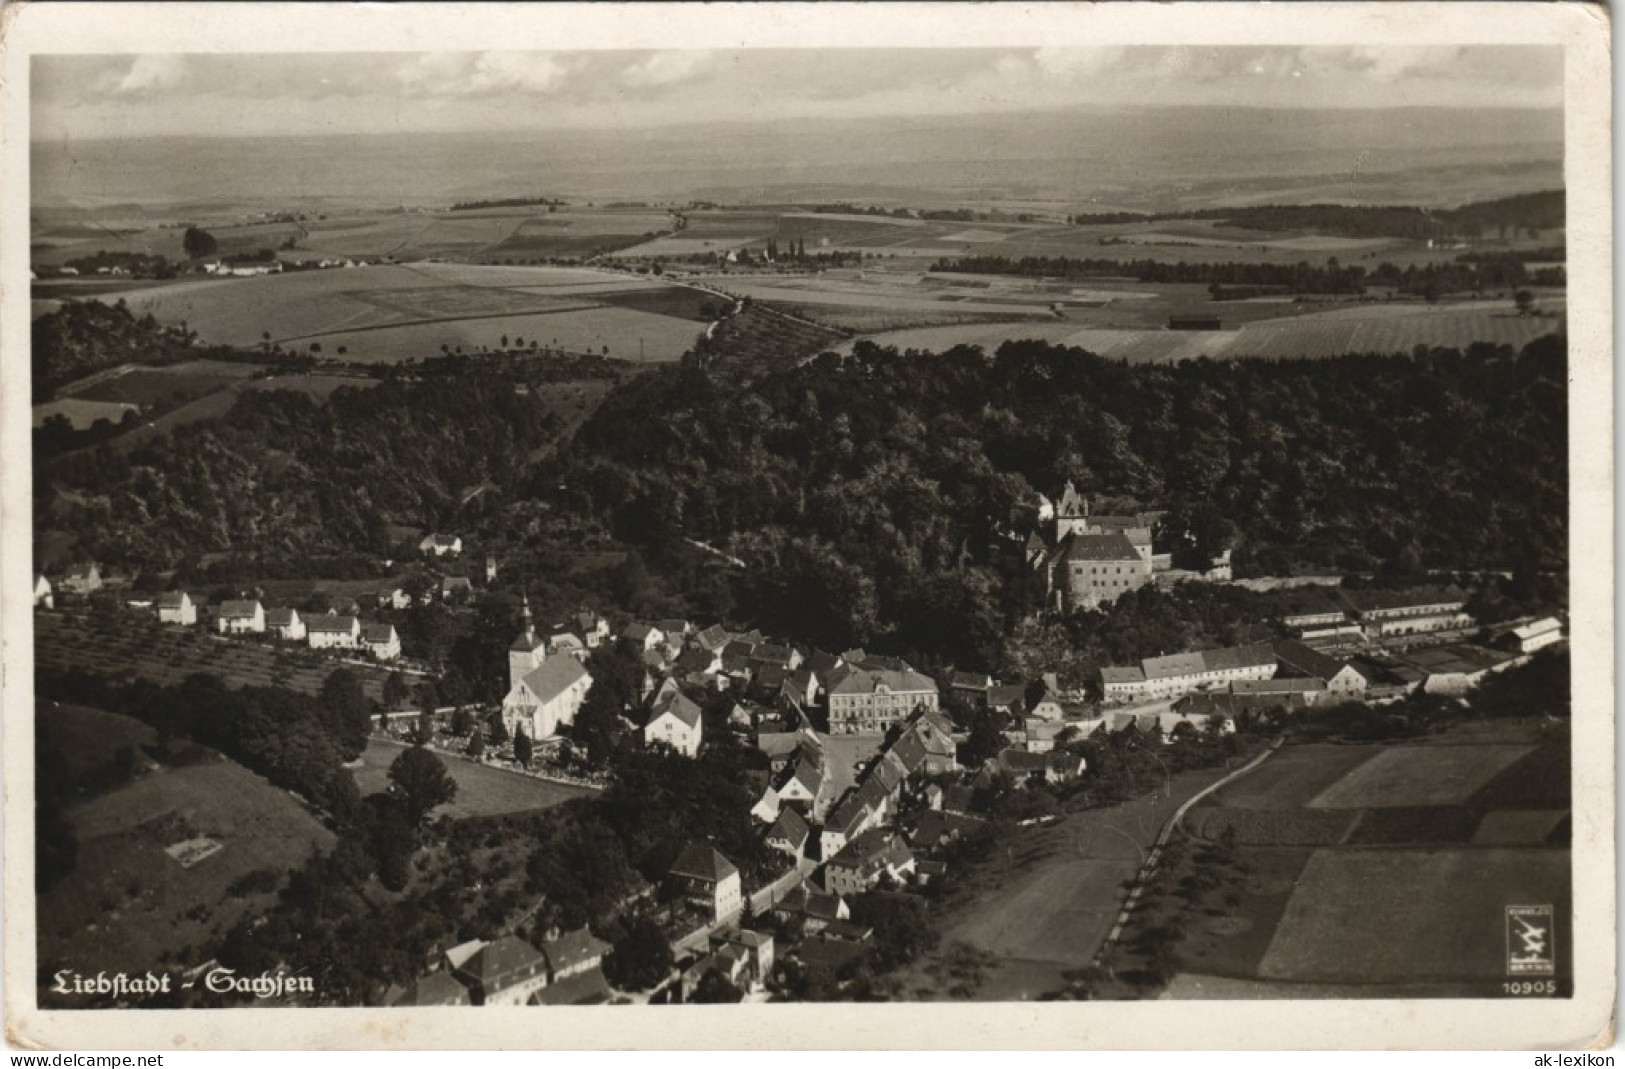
column 544, row 692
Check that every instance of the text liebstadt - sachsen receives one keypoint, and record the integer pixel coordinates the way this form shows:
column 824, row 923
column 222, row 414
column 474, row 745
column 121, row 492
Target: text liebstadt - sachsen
column 221, row 981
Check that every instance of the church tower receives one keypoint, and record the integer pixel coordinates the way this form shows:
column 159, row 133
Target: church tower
column 526, row 653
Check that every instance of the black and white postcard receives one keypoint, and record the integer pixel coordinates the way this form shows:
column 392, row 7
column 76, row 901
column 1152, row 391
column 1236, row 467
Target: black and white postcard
column 808, row 525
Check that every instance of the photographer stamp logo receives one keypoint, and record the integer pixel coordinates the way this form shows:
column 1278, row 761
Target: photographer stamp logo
column 1530, row 941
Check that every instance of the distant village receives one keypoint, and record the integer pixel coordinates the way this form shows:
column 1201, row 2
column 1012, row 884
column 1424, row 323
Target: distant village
column 854, row 740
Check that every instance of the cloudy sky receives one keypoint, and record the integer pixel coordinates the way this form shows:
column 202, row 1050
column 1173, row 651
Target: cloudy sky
column 309, row 93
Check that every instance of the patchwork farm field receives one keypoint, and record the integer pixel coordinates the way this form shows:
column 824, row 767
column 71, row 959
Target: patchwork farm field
column 1383, row 868
column 169, row 386
column 130, row 903
column 392, row 312
column 482, row 791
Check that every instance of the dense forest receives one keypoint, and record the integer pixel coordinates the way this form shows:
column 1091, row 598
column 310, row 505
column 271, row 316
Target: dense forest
column 870, row 499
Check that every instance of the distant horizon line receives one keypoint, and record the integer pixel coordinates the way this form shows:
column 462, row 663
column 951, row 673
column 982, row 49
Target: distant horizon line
column 754, row 121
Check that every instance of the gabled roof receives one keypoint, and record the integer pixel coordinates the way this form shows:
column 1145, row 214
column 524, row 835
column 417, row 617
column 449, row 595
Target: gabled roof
column 971, row 681
column 771, row 676
column 675, row 704
column 1131, row 674
column 672, row 628
column 713, row 638
column 335, row 624
column 497, row 964
column 281, row 617
column 238, row 610
column 1258, row 655
column 554, row 676
column 777, row 743
column 889, row 772
column 809, row 772
column 638, row 632
column 909, row 750
column 1098, row 548
column 790, row 828
column 695, row 659
column 378, row 634
column 701, row 861
column 1311, row 662
column 1006, row 694
column 773, row 653
column 865, row 681
column 173, row 599
column 821, row 662
column 572, row 948
column 1306, row 685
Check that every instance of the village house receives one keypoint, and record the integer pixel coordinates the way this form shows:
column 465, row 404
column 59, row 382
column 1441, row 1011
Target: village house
column 456, row 588
column 644, row 636
column 441, row 545
column 971, row 686
column 1343, row 681
column 863, row 701
column 789, row 833
column 177, row 607
column 703, row 877
column 504, row 972
column 573, row 953
column 753, row 950
column 332, row 631
column 567, row 642
column 240, row 618
column 43, row 595
column 675, row 721
column 866, row 860
column 1308, row 691
column 814, row 909
column 285, row 624
column 393, row 598
column 382, row 641
column 593, row 629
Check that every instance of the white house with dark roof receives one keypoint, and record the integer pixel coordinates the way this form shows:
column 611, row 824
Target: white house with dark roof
column 285, row 624
column 240, row 618
column 333, row 632
column 177, row 607
column 82, row 580
column 703, row 876
column 1343, row 680
column 1181, row 673
column 675, row 721
column 382, row 641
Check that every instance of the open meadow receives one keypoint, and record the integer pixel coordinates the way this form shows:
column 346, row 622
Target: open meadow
column 482, row 791
column 137, row 898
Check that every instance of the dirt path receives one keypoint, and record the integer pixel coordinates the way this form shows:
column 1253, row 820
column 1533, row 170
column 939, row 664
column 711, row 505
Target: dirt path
column 1051, row 900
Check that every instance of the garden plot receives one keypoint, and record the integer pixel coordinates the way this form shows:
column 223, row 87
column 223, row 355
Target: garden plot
column 1419, row 776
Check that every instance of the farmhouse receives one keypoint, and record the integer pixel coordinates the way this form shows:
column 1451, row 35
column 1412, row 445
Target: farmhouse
column 333, row 632
column 863, row 702
column 240, row 618
column 43, row 597
column 382, row 641
column 441, row 545
column 285, row 624
column 789, row 833
column 177, row 607
column 1309, row 691
column 1090, row 570
column 702, row 876
column 675, row 722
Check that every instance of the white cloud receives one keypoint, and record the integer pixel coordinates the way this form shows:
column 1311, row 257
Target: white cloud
column 666, row 68
column 1072, row 64
column 153, row 72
